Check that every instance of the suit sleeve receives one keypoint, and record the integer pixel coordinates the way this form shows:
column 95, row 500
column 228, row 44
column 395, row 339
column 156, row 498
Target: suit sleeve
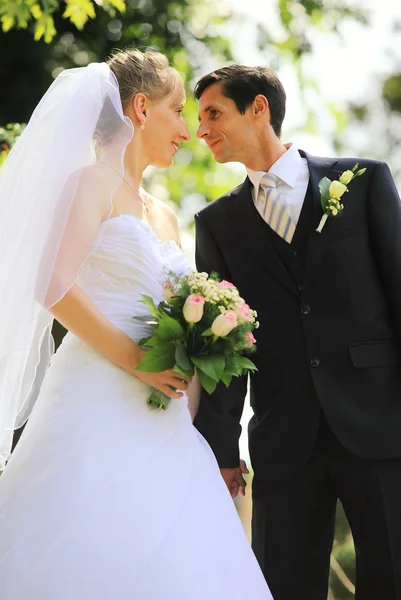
column 219, row 414
column 385, row 227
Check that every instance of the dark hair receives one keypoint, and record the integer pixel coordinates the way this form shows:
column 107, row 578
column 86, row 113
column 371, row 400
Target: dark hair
column 243, row 84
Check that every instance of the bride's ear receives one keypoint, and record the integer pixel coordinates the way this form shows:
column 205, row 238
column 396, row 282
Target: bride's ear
column 139, row 105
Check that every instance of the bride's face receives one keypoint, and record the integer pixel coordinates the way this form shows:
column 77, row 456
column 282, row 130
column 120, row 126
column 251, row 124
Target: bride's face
column 165, row 129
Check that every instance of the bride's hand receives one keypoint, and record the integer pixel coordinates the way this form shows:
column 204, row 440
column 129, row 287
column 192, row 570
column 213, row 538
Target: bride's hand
column 169, row 382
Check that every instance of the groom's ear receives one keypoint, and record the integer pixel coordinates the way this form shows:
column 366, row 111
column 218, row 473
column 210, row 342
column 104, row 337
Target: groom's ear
column 260, row 106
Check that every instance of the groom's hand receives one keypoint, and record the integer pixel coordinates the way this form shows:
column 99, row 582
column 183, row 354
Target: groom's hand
column 234, row 479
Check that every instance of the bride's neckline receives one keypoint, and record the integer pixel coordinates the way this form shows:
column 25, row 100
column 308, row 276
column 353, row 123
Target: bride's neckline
column 144, row 224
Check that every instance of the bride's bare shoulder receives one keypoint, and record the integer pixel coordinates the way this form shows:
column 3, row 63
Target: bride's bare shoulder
column 164, row 218
column 96, row 181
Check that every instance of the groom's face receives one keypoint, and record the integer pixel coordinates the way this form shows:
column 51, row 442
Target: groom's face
column 228, row 133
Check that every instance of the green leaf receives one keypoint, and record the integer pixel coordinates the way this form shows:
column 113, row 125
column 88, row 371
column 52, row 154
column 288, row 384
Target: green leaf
column 182, row 358
column 324, row 185
column 146, row 319
column 148, row 341
column 245, row 363
column 212, row 366
column 360, row 172
column 79, row 11
column 208, row 332
column 237, row 364
column 189, row 373
column 226, row 379
column 233, row 366
column 7, row 23
column 118, row 4
column 206, row 382
column 354, row 168
column 169, row 329
column 149, row 302
column 160, row 358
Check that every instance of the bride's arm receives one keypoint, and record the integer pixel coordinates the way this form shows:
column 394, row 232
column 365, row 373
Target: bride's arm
column 77, row 313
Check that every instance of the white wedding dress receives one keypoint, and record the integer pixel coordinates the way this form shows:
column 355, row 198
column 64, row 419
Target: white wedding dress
column 105, row 499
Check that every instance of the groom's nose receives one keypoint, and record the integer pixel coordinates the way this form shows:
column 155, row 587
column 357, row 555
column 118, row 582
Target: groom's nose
column 202, row 131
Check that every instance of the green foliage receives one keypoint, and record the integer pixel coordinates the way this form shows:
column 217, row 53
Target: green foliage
column 392, row 92
column 212, row 366
column 182, row 360
column 184, row 30
column 160, row 358
column 8, row 135
column 324, row 185
column 299, row 20
column 17, row 13
column 342, row 578
column 169, row 329
column 79, row 11
column 21, row 13
column 207, row 382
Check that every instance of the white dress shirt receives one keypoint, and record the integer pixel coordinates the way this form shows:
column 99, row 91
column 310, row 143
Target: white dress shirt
column 293, row 172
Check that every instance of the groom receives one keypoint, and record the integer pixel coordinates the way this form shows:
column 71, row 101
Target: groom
column 327, row 394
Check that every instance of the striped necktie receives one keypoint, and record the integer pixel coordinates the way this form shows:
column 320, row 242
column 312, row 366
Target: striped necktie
column 272, row 208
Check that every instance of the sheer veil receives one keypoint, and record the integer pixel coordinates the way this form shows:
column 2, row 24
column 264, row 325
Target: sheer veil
column 53, row 178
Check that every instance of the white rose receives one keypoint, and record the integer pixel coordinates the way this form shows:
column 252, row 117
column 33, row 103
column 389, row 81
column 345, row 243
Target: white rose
column 224, row 323
column 168, row 291
column 337, row 189
column 193, row 308
column 346, row 177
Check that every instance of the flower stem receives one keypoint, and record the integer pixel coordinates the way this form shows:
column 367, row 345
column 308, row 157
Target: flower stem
column 322, row 223
column 158, row 400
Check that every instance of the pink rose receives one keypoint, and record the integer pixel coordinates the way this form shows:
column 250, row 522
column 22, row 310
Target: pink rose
column 193, row 308
column 244, row 313
column 250, row 339
column 168, row 291
column 223, row 324
column 226, row 284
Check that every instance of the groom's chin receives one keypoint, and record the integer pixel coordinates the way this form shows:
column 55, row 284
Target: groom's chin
column 220, row 159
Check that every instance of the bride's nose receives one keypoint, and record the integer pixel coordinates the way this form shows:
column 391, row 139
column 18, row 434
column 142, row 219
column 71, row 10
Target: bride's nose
column 184, row 133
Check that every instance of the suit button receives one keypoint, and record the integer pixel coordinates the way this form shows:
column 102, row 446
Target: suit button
column 315, row 362
column 294, row 253
column 300, row 287
column 306, row 309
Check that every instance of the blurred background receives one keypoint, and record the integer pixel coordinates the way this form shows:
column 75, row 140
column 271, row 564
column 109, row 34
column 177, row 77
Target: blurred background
column 339, row 61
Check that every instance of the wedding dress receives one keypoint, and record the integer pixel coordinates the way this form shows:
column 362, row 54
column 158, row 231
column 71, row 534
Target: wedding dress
column 103, row 498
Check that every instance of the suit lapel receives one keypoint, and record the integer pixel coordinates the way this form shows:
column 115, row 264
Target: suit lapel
column 252, row 233
column 318, row 168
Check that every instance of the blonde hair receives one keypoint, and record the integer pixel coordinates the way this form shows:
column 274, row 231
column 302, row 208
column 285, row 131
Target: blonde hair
column 143, row 72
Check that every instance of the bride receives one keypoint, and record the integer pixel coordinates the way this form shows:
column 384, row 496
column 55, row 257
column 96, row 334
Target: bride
column 103, row 498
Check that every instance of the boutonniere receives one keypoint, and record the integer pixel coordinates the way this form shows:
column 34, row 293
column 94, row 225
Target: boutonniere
column 331, row 193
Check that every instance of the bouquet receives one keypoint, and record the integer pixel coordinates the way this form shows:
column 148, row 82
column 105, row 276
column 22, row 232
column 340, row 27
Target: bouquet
column 203, row 324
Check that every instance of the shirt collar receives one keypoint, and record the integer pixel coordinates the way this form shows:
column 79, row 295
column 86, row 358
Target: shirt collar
column 286, row 167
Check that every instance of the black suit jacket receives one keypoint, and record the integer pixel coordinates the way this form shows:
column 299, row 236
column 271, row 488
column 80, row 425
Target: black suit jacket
column 330, row 342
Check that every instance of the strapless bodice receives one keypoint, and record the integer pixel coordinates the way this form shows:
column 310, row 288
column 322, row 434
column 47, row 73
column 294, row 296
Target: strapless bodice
column 127, row 261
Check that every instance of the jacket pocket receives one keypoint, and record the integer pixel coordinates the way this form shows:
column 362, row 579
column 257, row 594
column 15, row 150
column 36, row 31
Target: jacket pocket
column 384, row 353
column 350, row 229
